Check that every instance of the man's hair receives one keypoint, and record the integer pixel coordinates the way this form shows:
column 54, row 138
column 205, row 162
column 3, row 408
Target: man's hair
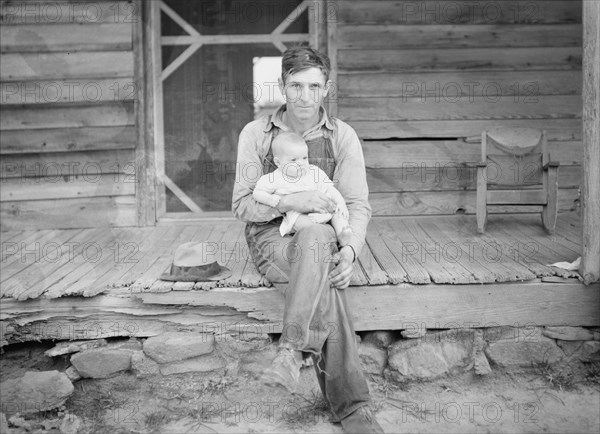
column 298, row 59
column 284, row 139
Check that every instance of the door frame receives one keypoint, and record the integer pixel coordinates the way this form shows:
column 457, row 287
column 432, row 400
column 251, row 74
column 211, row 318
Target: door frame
column 150, row 153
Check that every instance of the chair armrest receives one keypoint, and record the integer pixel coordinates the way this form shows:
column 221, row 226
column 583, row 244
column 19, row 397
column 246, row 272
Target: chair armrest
column 474, row 164
column 551, row 164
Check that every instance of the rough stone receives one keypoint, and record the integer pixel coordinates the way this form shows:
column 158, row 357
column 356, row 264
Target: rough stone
column 373, row 359
column 205, row 363
column 435, row 355
column 71, row 424
column 379, row 338
column 3, row 423
column 102, row 362
column 568, row 333
column 587, row 351
column 569, row 347
column 515, row 334
column 175, row 346
column 143, row 366
column 35, row 391
column 413, row 333
column 72, row 373
column 482, row 366
column 69, row 347
column 524, row 353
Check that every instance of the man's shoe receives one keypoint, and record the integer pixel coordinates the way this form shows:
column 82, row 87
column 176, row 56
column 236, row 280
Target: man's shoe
column 284, row 371
column 361, row 421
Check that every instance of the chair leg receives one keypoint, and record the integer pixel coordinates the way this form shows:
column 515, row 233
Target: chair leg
column 550, row 211
column 481, row 209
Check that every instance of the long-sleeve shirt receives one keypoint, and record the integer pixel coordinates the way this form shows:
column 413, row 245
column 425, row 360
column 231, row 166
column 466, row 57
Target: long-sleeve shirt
column 349, row 175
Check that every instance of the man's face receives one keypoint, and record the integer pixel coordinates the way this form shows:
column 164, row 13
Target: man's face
column 304, row 92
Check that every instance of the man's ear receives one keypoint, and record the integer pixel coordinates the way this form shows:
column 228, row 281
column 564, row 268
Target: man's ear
column 328, row 86
column 277, row 161
column 281, row 87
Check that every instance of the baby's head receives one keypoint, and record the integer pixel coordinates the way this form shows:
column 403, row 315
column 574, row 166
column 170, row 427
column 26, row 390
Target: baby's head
column 290, row 154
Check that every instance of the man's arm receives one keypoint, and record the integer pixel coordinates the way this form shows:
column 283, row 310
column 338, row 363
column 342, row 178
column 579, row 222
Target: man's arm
column 248, row 172
column 350, row 178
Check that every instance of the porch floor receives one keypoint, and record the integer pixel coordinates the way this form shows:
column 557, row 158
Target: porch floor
column 411, row 250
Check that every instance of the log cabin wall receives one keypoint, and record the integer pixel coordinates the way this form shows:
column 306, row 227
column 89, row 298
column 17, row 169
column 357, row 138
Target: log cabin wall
column 68, row 124
column 420, row 81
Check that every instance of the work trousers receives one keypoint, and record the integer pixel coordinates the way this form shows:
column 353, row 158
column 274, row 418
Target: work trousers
column 315, row 317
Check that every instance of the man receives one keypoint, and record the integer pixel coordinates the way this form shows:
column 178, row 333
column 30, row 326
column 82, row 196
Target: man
column 315, row 319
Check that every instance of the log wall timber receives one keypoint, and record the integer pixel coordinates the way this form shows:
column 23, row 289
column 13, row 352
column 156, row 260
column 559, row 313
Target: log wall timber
column 420, row 81
column 590, row 259
column 245, row 312
column 68, row 114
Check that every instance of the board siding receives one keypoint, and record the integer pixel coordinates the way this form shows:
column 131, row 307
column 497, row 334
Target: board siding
column 68, row 114
column 420, row 81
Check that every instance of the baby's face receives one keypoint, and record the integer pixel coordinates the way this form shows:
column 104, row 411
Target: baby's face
column 293, row 161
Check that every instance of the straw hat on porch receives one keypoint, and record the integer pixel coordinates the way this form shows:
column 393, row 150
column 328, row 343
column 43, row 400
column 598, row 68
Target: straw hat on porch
column 196, row 262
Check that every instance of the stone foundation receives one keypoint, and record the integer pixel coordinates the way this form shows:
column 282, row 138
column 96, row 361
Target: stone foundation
column 431, row 354
column 400, row 356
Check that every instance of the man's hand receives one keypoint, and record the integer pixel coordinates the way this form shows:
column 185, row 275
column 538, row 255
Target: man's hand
column 340, row 276
column 306, row 202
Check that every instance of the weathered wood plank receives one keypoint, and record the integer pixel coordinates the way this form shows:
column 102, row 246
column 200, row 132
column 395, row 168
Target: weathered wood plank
column 92, row 245
column 557, row 129
column 382, row 254
column 374, row 308
column 55, row 12
column 451, row 202
column 144, row 251
column 126, row 251
column 93, row 184
column 51, row 167
column 477, row 87
column 83, row 90
column 65, row 37
column 413, row 155
column 590, row 260
column 68, row 139
column 57, row 65
column 458, row 108
column 484, row 249
column 27, row 117
column 431, row 306
column 453, row 36
column 451, row 59
column 394, row 238
column 466, row 12
column 485, row 269
column 19, row 254
column 52, row 255
column 373, row 271
column 68, row 213
column 449, row 177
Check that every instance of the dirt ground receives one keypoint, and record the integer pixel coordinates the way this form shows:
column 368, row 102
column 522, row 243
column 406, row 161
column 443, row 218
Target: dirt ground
column 540, row 400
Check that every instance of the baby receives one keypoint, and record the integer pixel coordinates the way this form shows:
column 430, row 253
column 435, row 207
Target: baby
column 293, row 175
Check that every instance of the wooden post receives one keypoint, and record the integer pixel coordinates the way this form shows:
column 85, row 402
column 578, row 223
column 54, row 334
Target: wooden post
column 331, row 16
column 590, row 192
column 145, row 173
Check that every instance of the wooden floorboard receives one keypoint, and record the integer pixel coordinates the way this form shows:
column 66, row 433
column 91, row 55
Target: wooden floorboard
column 50, row 257
column 122, row 248
column 125, row 272
column 384, row 257
column 86, row 260
column 464, row 234
column 394, row 234
column 397, row 250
